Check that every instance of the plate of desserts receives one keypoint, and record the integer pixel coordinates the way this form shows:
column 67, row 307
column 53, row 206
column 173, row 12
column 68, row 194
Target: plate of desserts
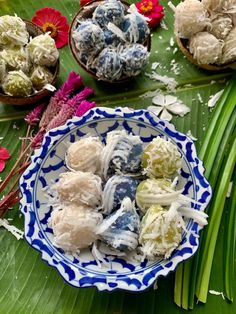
column 115, row 199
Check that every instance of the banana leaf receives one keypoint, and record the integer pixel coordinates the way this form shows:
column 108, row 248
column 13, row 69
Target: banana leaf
column 29, row 285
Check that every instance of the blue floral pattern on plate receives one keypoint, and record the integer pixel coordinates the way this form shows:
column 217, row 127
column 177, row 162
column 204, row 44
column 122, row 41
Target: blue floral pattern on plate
column 48, row 162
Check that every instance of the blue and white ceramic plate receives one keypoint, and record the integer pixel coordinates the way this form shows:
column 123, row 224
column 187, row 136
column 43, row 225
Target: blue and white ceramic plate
column 48, row 162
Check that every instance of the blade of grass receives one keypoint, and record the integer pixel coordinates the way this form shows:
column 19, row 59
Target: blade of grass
column 213, row 227
column 178, row 285
column 229, row 135
column 229, row 244
column 213, row 123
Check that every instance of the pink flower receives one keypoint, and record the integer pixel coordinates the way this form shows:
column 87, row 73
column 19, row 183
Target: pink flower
column 34, row 116
column 73, row 83
column 152, row 10
column 51, row 20
column 4, row 155
column 84, row 106
column 68, row 109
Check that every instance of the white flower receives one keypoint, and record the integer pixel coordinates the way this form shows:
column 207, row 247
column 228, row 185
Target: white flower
column 167, row 104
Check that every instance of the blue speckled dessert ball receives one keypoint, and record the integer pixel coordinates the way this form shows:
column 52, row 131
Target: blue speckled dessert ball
column 134, row 58
column 108, row 65
column 109, row 11
column 116, row 189
column 88, row 37
column 122, row 154
column 135, row 28
column 120, row 230
column 111, row 38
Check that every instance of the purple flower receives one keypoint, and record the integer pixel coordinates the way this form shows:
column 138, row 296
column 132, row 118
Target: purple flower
column 69, row 108
column 84, row 106
column 73, row 83
column 34, row 116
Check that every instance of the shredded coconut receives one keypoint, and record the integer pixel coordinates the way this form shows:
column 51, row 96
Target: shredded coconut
column 14, row 230
column 199, row 98
column 170, row 82
column 214, row 98
column 217, row 293
column 189, row 133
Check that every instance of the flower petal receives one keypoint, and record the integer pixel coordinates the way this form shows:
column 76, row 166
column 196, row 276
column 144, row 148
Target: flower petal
column 4, row 153
column 155, row 109
column 178, row 108
column 53, row 16
column 2, row 165
column 169, row 99
column 159, row 99
column 165, row 115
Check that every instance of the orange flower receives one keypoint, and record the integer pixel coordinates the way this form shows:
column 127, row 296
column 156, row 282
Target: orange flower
column 51, row 20
column 152, row 10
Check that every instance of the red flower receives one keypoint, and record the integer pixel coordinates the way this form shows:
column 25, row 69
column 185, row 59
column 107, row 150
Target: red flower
column 152, row 10
column 83, row 2
column 51, row 20
column 4, row 155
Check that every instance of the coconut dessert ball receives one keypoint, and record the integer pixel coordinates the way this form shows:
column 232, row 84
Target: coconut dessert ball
column 229, row 48
column 80, row 188
column 16, row 83
column 40, row 76
column 160, row 232
column 85, row 155
column 161, row 158
column 109, row 11
column 74, row 227
column 88, row 38
column 43, row 51
column 206, row 48
column 134, row 58
column 220, row 26
column 108, row 65
column 122, row 154
column 116, row 189
column 219, row 5
column 191, row 17
column 16, row 58
column 120, row 230
column 13, row 31
column 135, row 28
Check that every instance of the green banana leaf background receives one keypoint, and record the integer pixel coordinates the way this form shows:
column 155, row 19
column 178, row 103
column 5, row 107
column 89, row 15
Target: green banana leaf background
column 28, row 284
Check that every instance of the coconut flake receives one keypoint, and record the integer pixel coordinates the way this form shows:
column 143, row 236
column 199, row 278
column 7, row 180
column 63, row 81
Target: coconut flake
column 50, row 87
column 214, row 98
column 189, row 134
column 170, row 82
column 12, row 229
column 217, row 293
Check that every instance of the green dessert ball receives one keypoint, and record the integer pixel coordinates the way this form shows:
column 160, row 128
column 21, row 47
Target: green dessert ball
column 161, row 158
column 2, row 70
column 43, row 51
column 13, row 31
column 17, row 84
column 16, row 58
column 41, row 76
column 160, row 232
column 153, row 191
